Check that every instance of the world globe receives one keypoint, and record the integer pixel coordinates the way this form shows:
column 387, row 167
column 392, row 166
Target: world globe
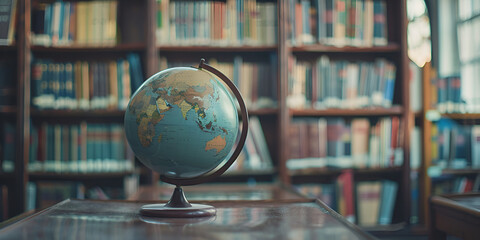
column 182, row 122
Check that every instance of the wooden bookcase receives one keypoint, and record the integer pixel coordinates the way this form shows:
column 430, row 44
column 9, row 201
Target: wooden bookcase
column 429, row 169
column 141, row 22
column 439, row 104
column 395, row 51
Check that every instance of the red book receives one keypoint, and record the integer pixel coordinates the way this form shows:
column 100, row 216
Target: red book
column 345, row 186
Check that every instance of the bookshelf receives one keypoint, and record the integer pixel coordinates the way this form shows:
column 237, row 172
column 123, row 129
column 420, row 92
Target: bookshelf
column 140, row 33
column 323, row 171
column 438, row 175
column 450, row 109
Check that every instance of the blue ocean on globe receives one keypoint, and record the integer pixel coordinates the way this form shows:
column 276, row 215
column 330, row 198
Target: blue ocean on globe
column 182, row 122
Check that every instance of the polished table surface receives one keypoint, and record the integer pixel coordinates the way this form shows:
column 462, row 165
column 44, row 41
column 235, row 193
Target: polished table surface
column 255, row 219
column 457, row 215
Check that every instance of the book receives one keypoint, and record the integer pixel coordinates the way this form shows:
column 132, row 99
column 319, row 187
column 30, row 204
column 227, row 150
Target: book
column 475, row 146
column 8, row 146
column 379, row 23
column 260, row 142
column 345, row 190
column 387, row 202
column 360, row 135
column 368, row 202
column 8, row 13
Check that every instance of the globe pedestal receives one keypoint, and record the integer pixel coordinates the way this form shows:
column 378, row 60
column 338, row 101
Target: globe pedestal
column 183, row 123
column 177, row 207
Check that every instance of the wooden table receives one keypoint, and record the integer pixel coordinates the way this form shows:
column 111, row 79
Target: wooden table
column 219, row 192
column 263, row 219
column 457, row 215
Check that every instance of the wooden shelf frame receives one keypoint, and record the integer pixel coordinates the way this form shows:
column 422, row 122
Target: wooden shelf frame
column 334, row 112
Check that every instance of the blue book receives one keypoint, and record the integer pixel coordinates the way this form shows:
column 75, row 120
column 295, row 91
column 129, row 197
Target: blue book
column 61, row 20
column 48, row 20
column 55, row 84
column 69, row 86
column 38, row 89
column 387, row 202
column 389, row 84
column 62, row 86
column 306, row 21
column 237, row 66
column 379, row 22
column 136, row 75
column 120, row 86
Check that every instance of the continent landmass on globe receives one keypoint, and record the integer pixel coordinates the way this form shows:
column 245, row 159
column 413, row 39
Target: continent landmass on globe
column 151, row 104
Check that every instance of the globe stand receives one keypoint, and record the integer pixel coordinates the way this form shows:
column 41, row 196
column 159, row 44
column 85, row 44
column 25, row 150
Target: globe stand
column 177, row 207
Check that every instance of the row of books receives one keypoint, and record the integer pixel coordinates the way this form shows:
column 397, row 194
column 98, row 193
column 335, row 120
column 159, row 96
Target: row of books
column 231, row 22
column 451, row 184
column 255, row 154
column 469, row 101
column 7, row 83
column 449, row 97
column 343, row 143
column 325, row 83
column 369, row 203
column 338, row 22
column 43, row 194
column 84, row 147
column 8, row 12
column 257, row 81
column 457, row 93
column 85, row 85
column 82, row 23
column 7, row 146
column 454, row 145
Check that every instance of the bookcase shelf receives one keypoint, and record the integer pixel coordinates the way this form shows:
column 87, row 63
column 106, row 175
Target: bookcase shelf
column 262, row 175
column 48, row 176
column 219, row 49
column 263, row 111
column 462, row 116
column 357, row 172
column 106, row 113
column 395, row 110
column 90, row 49
column 465, row 171
column 78, row 113
column 317, row 48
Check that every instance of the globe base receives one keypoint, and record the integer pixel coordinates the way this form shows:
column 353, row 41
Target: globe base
column 177, row 207
column 163, row 211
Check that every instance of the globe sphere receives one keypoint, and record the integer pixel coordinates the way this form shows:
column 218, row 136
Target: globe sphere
column 182, row 122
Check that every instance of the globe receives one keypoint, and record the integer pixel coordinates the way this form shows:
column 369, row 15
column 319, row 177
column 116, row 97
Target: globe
column 182, row 122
